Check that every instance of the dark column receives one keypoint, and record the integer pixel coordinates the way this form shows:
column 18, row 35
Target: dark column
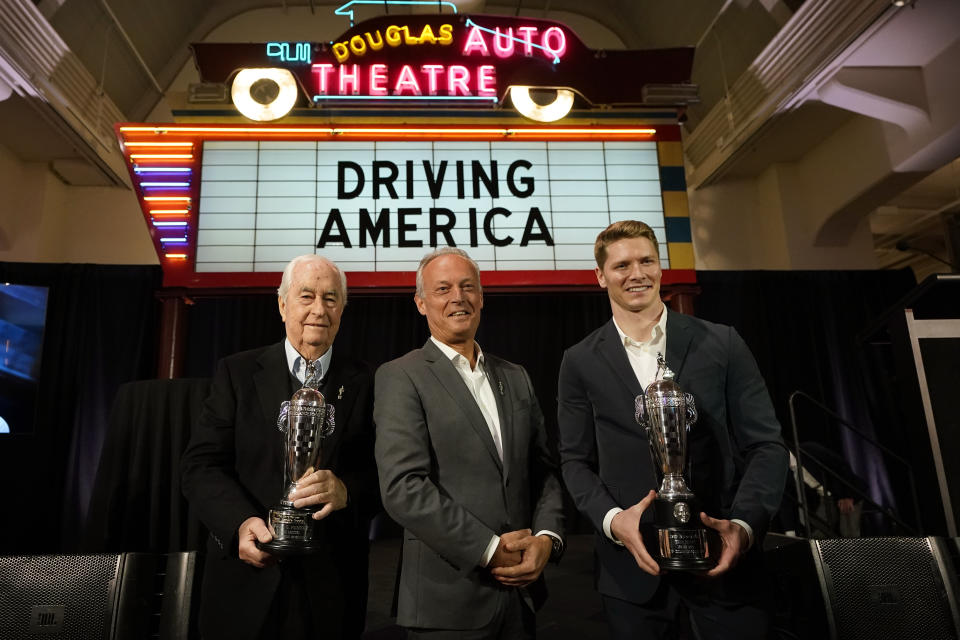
column 951, row 234
column 173, row 333
column 680, row 297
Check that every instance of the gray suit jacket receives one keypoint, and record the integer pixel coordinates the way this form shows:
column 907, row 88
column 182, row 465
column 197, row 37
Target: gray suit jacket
column 442, row 479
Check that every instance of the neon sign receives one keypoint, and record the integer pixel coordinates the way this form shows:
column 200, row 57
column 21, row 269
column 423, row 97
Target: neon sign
column 349, row 77
column 343, row 9
column 481, row 60
column 429, row 79
column 290, row 51
column 553, row 42
column 394, row 36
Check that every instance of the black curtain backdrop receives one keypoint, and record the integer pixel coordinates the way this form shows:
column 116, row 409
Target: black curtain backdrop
column 138, row 479
column 802, row 327
column 101, row 331
column 102, row 327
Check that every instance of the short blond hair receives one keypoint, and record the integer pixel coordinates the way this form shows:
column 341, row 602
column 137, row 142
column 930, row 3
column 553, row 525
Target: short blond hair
column 619, row 231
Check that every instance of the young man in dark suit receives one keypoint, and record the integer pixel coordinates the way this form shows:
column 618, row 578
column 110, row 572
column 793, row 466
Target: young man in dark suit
column 232, row 474
column 737, row 459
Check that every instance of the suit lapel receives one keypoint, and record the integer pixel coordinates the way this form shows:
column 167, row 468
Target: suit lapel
column 338, row 393
column 504, row 410
column 272, row 381
column 332, row 380
column 678, row 341
column 272, row 384
column 449, row 378
column 612, row 350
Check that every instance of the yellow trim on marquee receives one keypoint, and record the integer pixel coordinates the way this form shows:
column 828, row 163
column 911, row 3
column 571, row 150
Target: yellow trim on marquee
column 675, row 204
column 670, row 154
column 681, row 255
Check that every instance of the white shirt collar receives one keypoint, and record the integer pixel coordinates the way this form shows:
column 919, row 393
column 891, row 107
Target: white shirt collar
column 453, row 354
column 658, row 330
column 296, row 364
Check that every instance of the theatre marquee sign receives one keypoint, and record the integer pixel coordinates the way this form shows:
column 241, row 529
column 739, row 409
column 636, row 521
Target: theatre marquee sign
column 378, row 206
column 231, row 205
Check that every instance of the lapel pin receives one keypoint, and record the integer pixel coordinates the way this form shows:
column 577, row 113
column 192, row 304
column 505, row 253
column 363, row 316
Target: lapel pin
column 500, row 384
column 340, row 393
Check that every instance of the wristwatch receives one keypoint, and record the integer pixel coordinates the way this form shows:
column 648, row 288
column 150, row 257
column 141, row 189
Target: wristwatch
column 556, row 550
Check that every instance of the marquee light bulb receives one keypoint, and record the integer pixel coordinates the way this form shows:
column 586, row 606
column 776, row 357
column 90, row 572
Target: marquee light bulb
column 276, row 108
column 520, row 96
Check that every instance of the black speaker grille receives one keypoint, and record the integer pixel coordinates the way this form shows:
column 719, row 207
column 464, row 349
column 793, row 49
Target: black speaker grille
column 81, row 585
column 886, row 588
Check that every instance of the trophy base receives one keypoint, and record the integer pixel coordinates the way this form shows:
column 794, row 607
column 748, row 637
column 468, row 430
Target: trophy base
column 680, row 537
column 686, row 564
column 295, row 532
column 288, row 548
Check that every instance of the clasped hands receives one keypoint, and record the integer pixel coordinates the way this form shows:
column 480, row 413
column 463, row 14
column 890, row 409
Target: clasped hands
column 314, row 488
column 625, row 527
column 520, row 557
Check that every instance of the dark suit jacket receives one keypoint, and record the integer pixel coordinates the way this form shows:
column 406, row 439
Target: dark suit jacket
column 233, row 469
column 442, row 479
column 738, row 463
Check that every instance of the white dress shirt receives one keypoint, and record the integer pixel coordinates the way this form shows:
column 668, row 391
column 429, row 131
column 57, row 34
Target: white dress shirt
column 479, row 386
column 643, row 361
column 482, row 391
column 297, row 364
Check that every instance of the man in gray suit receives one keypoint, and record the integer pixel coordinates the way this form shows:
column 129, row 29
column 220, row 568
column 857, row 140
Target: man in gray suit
column 465, row 469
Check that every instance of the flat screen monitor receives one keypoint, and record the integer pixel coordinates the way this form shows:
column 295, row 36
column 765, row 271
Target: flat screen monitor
column 23, row 315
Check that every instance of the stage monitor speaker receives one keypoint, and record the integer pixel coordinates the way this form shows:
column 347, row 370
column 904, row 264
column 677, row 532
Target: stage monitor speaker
column 865, row 589
column 97, row 597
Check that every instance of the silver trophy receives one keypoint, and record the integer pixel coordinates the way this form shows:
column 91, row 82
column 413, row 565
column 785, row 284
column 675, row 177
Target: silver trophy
column 306, row 419
column 667, row 413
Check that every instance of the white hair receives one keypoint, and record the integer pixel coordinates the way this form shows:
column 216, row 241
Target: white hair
column 444, row 251
column 305, row 259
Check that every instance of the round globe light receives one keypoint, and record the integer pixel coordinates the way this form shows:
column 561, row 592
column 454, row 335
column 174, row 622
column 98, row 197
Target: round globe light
column 523, row 102
column 264, row 94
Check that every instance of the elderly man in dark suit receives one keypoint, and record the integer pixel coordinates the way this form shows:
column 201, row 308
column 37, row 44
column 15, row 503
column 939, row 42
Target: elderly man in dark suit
column 232, row 473
column 465, row 469
column 737, row 459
